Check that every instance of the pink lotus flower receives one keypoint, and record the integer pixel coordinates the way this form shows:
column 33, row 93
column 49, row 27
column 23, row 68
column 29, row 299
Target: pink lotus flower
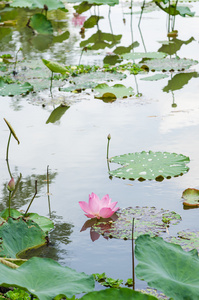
column 97, row 208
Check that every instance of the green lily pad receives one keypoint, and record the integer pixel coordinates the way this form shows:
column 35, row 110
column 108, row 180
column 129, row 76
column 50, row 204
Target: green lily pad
column 167, row 267
column 147, row 220
column 13, row 213
column 188, row 240
column 13, row 89
column 18, row 236
column 45, row 279
column 54, row 66
column 113, row 92
column 44, row 223
column 52, row 4
column 191, row 197
column 40, row 23
column 150, row 165
column 121, row 49
column 138, row 55
column 57, row 113
column 97, row 2
column 154, row 77
column 113, row 294
column 168, row 64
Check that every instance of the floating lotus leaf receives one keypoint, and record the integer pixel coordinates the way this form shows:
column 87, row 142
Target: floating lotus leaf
column 134, row 55
column 155, row 293
column 13, row 89
column 13, row 213
column 114, row 294
column 155, row 77
column 40, row 23
column 188, row 240
column 191, row 197
column 45, row 279
column 171, row 47
column 18, row 236
column 168, row 64
column 147, row 220
column 150, row 165
column 113, row 92
column 52, row 4
column 97, row 2
column 179, row 80
column 167, row 267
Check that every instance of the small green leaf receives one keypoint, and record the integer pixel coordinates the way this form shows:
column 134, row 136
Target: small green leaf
column 113, row 92
column 191, row 197
column 54, row 66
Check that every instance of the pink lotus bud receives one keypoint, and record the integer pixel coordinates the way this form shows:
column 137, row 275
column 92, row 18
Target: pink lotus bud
column 11, row 185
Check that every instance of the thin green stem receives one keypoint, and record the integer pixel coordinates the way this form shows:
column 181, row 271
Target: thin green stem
column 133, row 256
column 48, row 191
column 9, row 204
column 107, row 152
column 32, row 198
column 8, row 144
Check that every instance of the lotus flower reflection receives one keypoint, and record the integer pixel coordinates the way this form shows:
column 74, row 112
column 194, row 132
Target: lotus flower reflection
column 96, row 208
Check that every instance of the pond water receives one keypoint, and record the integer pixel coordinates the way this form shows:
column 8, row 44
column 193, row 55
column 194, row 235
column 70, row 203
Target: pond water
column 74, row 147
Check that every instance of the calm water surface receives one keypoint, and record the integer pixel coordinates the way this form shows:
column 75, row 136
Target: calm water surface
column 75, row 147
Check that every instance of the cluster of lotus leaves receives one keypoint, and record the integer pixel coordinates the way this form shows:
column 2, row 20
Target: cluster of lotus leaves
column 146, row 220
column 150, row 165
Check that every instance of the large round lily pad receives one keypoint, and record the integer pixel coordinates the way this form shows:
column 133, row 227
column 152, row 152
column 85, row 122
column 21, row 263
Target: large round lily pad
column 150, row 165
column 147, row 220
column 13, row 89
column 45, row 279
column 167, row 267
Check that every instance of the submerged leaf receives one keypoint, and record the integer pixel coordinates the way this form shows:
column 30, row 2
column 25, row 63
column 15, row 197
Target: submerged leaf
column 167, row 267
column 187, row 239
column 45, row 279
column 150, row 165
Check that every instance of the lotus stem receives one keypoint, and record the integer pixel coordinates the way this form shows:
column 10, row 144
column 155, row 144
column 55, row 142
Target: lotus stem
column 32, row 198
column 48, row 191
column 7, row 151
column 9, row 202
column 16, row 186
column 133, row 256
column 107, row 153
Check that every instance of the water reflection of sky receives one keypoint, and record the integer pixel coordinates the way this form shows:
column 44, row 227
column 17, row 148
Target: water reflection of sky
column 75, row 149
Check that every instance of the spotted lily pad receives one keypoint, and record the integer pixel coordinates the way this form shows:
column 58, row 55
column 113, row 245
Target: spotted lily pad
column 147, row 220
column 115, row 91
column 150, row 165
column 15, row 88
column 191, row 197
column 154, row 77
column 134, row 55
column 168, row 64
column 188, row 240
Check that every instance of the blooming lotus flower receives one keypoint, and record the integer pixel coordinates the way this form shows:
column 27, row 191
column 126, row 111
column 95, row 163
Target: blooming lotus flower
column 96, row 208
column 11, row 185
